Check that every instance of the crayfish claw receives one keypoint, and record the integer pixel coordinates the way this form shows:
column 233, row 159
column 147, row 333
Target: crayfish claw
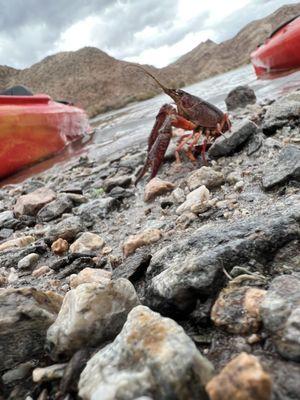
column 157, row 152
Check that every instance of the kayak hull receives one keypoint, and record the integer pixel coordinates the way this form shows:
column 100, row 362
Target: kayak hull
column 280, row 52
column 33, row 128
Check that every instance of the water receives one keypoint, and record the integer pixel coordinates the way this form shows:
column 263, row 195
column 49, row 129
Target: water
column 119, row 129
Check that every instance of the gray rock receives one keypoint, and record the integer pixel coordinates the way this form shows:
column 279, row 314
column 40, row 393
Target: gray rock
column 152, row 356
column 18, row 373
column 134, row 266
column 133, row 161
column 281, row 112
column 120, row 193
column 240, row 97
column 10, row 258
column 285, row 168
column 281, row 314
column 205, row 176
column 231, row 142
column 98, row 208
column 67, row 229
column 25, row 315
column 192, row 268
column 55, row 209
column 8, row 220
column 5, row 233
column 91, row 314
column 121, row 181
column 28, row 261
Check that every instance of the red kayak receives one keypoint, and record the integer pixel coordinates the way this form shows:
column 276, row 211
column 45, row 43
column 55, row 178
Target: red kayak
column 281, row 51
column 34, row 127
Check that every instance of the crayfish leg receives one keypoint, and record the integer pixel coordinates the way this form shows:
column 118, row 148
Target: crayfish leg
column 181, row 142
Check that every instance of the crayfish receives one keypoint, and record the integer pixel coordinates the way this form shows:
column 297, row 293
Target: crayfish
column 190, row 113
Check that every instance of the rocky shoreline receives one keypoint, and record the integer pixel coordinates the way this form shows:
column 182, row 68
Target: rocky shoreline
column 186, row 287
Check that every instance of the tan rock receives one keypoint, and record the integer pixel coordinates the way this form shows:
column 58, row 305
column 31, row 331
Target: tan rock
column 60, row 246
column 41, row 271
column 17, row 243
column 205, row 176
column 88, row 242
column 237, row 309
column 106, row 250
column 243, row 378
column 157, row 187
column 89, row 275
column 31, row 203
column 145, row 238
column 193, row 199
column 3, row 280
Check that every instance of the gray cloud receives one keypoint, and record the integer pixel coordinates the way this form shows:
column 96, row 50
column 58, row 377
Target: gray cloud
column 30, row 29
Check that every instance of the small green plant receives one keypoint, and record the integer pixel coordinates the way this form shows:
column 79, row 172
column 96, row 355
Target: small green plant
column 99, row 192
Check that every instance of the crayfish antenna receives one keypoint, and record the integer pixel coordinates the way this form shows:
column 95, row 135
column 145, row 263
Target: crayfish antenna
column 149, row 74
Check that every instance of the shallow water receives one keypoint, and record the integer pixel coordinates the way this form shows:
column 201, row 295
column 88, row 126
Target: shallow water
column 119, row 129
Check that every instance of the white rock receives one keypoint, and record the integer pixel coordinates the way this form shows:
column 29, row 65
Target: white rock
column 91, row 314
column 178, row 195
column 88, row 242
column 89, row 275
column 28, row 261
column 195, row 198
column 151, row 355
column 55, row 371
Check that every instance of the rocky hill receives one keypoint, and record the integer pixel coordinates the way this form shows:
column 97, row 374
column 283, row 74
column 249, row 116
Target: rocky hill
column 99, row 82
column 209, row 59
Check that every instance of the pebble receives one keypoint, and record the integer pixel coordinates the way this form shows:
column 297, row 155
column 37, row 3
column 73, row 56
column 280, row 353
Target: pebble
column 18, row 373
column 206, row 176
column 17, row 243
column 151, row 354
column 233, row 177
column 41, row 271
column 145, row 238
column 60, row 246
column 91, row 314
column 242, row 378
column 157, row 187
column 50, row 373
column 280, row 312
column 178, row 195
column 89, row 275
column 239, row 186
column 194, row 198
column 3, row 280
column 25, row 315
column 237, row 309
column 86, row 243
column 31, row 203
column 28, row 261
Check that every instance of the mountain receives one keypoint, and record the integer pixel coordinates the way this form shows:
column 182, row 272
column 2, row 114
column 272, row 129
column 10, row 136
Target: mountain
column 209, row 59
column 99, row 82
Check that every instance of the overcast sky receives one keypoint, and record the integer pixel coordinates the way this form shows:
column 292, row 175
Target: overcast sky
column 146, row 31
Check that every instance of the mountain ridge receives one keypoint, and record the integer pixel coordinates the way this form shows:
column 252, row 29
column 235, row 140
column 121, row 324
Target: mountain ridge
column 99, row 82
